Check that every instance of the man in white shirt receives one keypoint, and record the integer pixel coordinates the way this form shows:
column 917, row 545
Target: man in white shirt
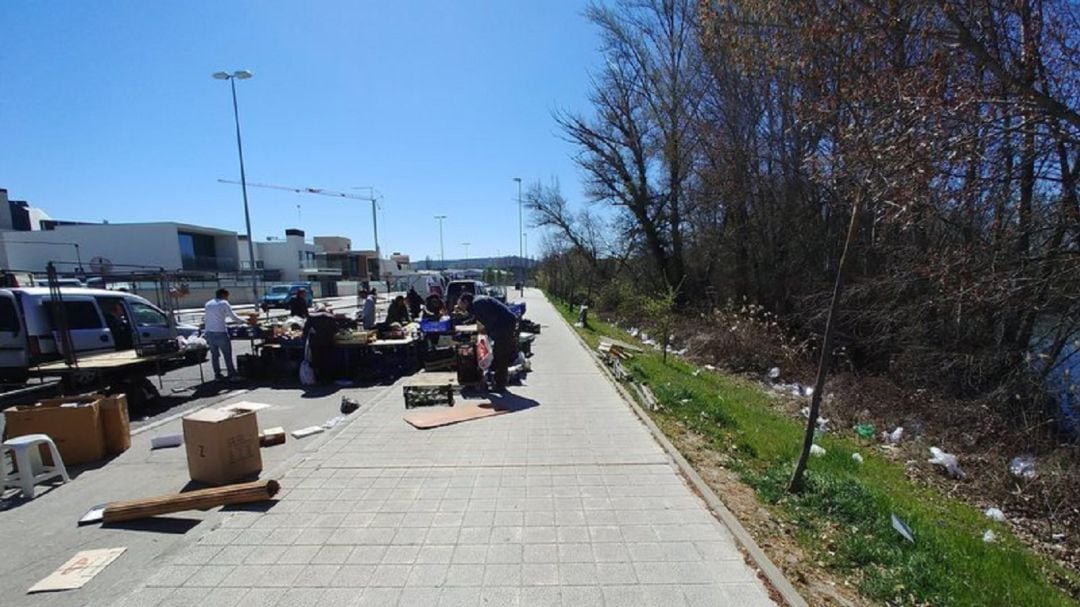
column 218, row 312
column 366, row 314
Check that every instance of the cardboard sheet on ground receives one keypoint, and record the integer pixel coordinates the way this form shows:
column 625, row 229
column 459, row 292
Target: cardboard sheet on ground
column 445, row 416
column 244, row 406
column 78, row 571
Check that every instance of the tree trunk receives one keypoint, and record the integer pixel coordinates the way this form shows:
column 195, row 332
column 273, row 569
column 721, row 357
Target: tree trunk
column 796, row 483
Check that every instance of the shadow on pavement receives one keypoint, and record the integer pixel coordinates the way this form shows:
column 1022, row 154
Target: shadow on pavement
column 508, row 401
column 157, row 524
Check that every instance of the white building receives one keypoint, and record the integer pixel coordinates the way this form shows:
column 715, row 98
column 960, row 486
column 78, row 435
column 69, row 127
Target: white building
column 125, row 247
column 290, row 259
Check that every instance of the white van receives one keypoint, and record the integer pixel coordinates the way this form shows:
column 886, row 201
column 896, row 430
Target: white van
column 425, row 283
column 97, row 320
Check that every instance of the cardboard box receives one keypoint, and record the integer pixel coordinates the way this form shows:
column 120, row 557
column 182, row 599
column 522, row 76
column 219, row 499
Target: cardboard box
column 115, row 423
column 222, row 446
column 272, row 436
column 74, row 424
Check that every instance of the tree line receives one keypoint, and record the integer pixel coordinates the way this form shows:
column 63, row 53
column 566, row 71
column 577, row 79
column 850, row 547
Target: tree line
column 730, row 147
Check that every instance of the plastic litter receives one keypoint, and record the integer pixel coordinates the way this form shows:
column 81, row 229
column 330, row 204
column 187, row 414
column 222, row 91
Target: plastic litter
column 902, row 528
column 709, row 368
column 303, row 432
column 1023, row 466
column 333, row 421
column 995, row 514
column 947, row 461
column 166, row 440
column 891, row 438
column 865, row 430
column 817, row 451
column 989, row 536
column 857, row 458
column 774, row 373
column 348, row 405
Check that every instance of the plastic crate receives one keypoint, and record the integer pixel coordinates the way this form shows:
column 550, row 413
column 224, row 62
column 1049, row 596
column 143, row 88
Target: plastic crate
column 518, row 308
column 430, row 327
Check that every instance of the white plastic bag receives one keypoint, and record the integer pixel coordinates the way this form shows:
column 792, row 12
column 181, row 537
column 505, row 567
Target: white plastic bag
column 307, row 374
column 484, row 354
column 947, row 461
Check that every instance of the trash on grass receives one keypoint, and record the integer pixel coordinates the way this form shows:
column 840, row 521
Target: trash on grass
column 989, row 536
column 857, row 458
column 995, row 514
column 902, row 528
column 947, row 461
column 891, row 438
column 865, row 430
column 774, row 373
column 1023, row 466
column 817, row 451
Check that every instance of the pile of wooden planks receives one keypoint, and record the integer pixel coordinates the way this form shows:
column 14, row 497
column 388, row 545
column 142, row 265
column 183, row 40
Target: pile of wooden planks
column 617, row 350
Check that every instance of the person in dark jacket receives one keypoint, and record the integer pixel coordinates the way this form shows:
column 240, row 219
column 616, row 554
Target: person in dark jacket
column 298, row 304
column 499, row 323
column 434, row 308
column 398, row 312
column 416, row 303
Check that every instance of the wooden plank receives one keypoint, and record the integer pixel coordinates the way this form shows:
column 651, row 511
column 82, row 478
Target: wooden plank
column 434, row 418
column 193, row 500
column 107, row 360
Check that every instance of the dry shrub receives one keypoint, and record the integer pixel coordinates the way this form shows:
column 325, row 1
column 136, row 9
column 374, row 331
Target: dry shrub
column 744, row 339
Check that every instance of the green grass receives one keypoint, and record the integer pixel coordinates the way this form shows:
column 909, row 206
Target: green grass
column 844, row 512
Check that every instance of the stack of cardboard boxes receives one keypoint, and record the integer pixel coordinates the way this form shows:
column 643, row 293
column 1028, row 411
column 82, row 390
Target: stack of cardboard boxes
column 85, row 428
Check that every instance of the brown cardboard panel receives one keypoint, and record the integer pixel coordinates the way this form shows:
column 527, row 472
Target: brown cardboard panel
column 74, row 424
column 452, row 415
column 116, row 424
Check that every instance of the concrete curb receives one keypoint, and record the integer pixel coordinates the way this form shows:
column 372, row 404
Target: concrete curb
column 771, row 572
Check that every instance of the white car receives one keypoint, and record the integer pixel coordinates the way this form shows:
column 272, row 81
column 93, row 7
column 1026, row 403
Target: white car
column 29, row 336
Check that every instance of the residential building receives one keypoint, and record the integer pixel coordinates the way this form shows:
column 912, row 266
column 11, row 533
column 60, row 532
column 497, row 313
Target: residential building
column 289, row 259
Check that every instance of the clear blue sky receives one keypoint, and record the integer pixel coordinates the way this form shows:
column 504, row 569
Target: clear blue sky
column 108, row 111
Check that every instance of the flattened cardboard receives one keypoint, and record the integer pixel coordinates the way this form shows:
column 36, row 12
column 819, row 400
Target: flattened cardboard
column 433, row 418
column 116, row 424
column 222, row 446
column 78, row 571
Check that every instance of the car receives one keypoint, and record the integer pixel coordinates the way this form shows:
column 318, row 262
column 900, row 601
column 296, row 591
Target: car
column 497, row 292
column 280, row 296
column 29, row 333
column 457, row 287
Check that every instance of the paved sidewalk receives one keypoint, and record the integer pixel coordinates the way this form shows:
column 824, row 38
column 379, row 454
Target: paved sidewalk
column 568, row 502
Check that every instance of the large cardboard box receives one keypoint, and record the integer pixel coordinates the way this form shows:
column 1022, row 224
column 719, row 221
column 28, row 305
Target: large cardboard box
column 116, row 424
column 74, row 424
column 222, row 446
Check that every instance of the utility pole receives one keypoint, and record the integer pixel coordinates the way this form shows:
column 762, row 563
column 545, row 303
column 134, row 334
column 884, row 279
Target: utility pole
column 521, row 233
column 466, row 244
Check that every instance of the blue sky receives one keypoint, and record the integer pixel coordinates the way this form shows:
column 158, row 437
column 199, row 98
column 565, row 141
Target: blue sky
column 108, row 111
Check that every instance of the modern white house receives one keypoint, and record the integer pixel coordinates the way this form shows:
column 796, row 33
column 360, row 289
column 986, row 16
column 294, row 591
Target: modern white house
column 289, row 259
column 120, row 247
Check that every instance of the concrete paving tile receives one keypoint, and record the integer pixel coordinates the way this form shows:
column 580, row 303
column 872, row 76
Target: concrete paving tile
column 578, row 574
column 172, row 575
column 501, row 595
column 435, row 554
column 428, row 575
column 197, row 555
column 366, row 555
column 502, row 575
column 298, row 555
column 183, row 597
column 459, row 597
column 541, row 553
column 340, row 597
column 465, row 575
column 401, row 555
column 581, row 596
column 353, row 576
column 223, row 597
column 230, row 555
column 330, row 555
column 302, row 597
column 147, row 596
column 317, row 576
column 539, row 574
column 210, row 575
column 469, row 554
column 390, row 575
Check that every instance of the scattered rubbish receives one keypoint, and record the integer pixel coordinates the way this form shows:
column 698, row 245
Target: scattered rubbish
column 433, row 418
column 305, row 432
column 79, row 570
column 902, row 528
column 709, row 368
column 857, row 458
column 947, row 461
column 243, row 406
column 865, row 431
column 822, row 423
column 696, row 372
column 817, row 451
column 989, row 536
column 165, row 441
column 1023, row 466
column 271, row 437
column 617, row 349
column 795, row 389
column 92, row 515
column 202, row 499
column 331, row 423
column 774, row 373
column 348, row 405
column 1058, row 537
column 222, row 446
column 995, row 514
column 891, row 438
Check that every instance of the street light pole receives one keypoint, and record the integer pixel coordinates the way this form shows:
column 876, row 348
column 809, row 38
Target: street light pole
column 442, row 255
column 466, row 250
column 521, row 233
column 232, row 78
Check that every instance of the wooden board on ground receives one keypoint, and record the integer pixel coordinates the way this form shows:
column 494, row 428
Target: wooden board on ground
column 434, row 418
column 78, row 571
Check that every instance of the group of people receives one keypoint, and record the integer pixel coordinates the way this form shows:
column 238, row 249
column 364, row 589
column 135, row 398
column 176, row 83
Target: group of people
column 497, row 320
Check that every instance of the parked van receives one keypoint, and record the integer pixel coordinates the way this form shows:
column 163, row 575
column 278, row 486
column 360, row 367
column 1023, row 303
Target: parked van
column 99, row 321
column 457, row 287
column 425, row 283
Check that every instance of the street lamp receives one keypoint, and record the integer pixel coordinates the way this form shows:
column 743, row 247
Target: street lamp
column 442, row 256
column 466, row 244
column 232, row 78
column 521, row 232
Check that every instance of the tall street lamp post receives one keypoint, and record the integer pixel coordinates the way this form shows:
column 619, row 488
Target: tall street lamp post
column 442, row 255
column 232, row 78
column 466, row 245
column 521, row 233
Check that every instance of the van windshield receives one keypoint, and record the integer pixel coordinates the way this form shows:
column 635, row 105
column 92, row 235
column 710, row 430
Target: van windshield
column 280, row 289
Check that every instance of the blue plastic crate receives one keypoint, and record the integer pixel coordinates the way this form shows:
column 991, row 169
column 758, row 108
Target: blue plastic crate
column 436, row 326
column 518, row 308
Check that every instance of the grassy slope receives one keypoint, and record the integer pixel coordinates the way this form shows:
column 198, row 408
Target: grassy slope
column 845, row 511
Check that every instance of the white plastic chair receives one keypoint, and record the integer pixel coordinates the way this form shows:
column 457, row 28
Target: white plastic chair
column 24, row 448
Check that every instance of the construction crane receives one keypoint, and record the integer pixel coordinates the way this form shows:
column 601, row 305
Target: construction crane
column 323, row 192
